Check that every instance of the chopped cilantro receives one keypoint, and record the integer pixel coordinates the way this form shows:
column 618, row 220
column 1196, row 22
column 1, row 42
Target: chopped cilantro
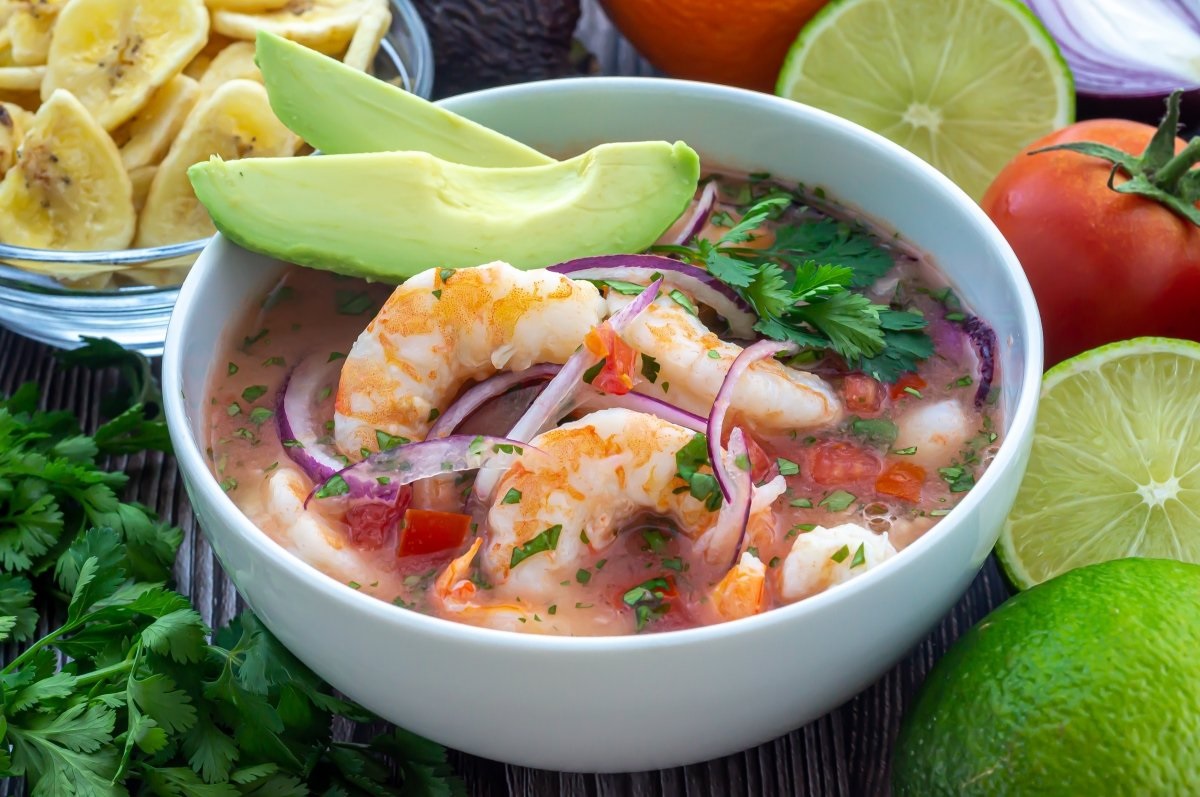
column 437, row 294
column 648, row 600
column 325, row 393
column 774, row 562
column 271, row 467
column 583, row 575
column 546, row 541
column 713, row 354
column 879, row 431
column 260, row 415
column 583, row 537
column 802, row 503
column 232, row 368
column 787, row 468
column 513, row 496
column 552, row 609
column 334, row 487
column 250, row 340
column 964, row 381
column 683, row 301
column 352, row 302
column 666, row 387
column 335, row 355
column 591, row 373
column 650, row 368
column 958, row 477
column 656, row 540
column 275, row 360
column 433, row 414
column 622, row 287
column 353, row 585
column 838, row 501
column 233, row 409
column 912, row 391
column 742, row 461
column 702, row 486
column 841, row 554
column 939, row 512
column 860, row 556
column 229, row 485
column 254, row 392
column 674, row 563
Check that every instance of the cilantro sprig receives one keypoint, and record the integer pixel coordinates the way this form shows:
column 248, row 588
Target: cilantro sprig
column 148, row 702
column 805, row 288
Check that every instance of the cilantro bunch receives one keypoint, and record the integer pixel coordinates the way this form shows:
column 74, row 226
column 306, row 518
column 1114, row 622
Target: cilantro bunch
column 806, row 288
column 128, row 693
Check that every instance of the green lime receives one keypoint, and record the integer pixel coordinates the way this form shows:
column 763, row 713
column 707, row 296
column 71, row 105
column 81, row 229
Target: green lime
column 965, row 84
column 1115, row 468
column 1085, row 685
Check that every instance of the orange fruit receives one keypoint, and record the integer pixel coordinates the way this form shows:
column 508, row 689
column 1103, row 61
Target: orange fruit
column 735, row 42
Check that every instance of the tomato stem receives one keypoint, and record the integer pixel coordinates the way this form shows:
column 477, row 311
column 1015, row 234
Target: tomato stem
column 1159, row 173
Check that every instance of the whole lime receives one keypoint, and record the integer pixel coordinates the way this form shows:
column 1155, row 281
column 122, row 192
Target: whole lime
column 1088, row 684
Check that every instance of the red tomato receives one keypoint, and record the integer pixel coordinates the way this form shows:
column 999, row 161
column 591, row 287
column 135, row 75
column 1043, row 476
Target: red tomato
column 903, row 480
column 371, row 523
column 429, row 532
column 900, row 386
column 762, row 467
column 862, row 394
column 837, row 462
column 616, row 375
column 1104, row 266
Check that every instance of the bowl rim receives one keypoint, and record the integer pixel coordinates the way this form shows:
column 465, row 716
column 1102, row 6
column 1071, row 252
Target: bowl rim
column 1020, row 428
column 419, row 74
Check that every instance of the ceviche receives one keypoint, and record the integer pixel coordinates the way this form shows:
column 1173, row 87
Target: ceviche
column 776, row 398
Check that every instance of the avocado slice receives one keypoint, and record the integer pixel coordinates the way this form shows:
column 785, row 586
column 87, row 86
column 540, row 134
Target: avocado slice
column 340, row 110
column 386, row 216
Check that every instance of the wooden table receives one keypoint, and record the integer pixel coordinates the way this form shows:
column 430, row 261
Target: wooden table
column 844, row 753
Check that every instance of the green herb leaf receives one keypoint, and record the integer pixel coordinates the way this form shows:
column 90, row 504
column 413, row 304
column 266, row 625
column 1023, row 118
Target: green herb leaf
column 838, row 501
column 841, row 554
column 335, row 486
column 545, row 541
column 860, row 556
column 513, row 496
column 878, row 431
column 650, row 368
column 352, row 302
column 787, row 467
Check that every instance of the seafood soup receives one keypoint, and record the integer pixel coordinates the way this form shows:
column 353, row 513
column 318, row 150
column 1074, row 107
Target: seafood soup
column 774, row 400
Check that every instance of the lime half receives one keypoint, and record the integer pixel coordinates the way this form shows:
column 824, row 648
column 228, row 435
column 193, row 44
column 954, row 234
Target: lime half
column 1115, row 468
column 965, row 84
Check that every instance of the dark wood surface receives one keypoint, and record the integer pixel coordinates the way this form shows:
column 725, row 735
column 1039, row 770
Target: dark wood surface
column 844, row 753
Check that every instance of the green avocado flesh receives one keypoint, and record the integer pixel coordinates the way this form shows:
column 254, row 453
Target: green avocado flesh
column 387, row 216
column 340, row 110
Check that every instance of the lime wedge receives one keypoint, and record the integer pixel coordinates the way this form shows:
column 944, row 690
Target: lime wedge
column 965, row 84
column 1115, row 468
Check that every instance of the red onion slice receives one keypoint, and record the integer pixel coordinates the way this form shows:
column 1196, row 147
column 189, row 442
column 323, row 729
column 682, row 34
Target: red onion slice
column 716, row 419
column 984, row 340
column 699, row 215
column 301, row 428
column 381, row 475
column 549, row 404
column 595, row 400
column 736, row 510
column 486, row 391
column 696, row 282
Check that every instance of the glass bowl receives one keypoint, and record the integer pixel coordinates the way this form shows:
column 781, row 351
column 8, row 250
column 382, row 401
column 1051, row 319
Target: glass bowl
column 40, row 307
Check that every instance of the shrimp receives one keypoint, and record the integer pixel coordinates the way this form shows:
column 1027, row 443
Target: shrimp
column 741, row 591
column 602, row 471
column 826, row 556
column 693, row 362
column 443, row 328
column 937, row 432
column 305, row 533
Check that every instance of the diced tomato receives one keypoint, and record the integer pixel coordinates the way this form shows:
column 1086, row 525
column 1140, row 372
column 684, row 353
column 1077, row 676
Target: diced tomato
column 620, row 360
column 862, row 394
column 371, row 522
column 762, row 467
column 426, row 531
column 903, row 480
column 901, row 386
column 838, row 462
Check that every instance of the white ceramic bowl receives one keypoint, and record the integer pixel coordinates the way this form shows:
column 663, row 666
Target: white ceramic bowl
column 637, row 702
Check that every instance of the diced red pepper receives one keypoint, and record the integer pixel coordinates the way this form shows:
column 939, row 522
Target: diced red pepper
column 903, row 480
column 906, row 382
column 862, row 394
column 839, row 463
column 426, row 531
column 620, row 360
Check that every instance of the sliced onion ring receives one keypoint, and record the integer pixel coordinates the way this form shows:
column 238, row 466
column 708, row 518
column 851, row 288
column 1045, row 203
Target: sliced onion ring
column 595, row 400
column 698, row 215
column 716, row 419
column 486, row 391
column 549, row 404
column 297, row 421
column 742, row 488
column 381, row 475
column 696, row 282
column 983, row 338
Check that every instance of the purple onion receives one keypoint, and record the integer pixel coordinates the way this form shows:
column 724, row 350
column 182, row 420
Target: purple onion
column 716, row 419
column 698, row 283
column 300, row 427
column 549, row 404
column 595, row 400
column 381, row 475
column 742, row 487
column 984, row 340
column 698, row 215
column 486, row 391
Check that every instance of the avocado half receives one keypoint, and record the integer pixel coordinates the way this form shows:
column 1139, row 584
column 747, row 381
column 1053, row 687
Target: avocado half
column 387, row 216
column 340, row 110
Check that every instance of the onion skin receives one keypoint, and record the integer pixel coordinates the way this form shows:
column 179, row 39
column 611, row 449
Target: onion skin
column 1104, row 266
column 293, row 417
